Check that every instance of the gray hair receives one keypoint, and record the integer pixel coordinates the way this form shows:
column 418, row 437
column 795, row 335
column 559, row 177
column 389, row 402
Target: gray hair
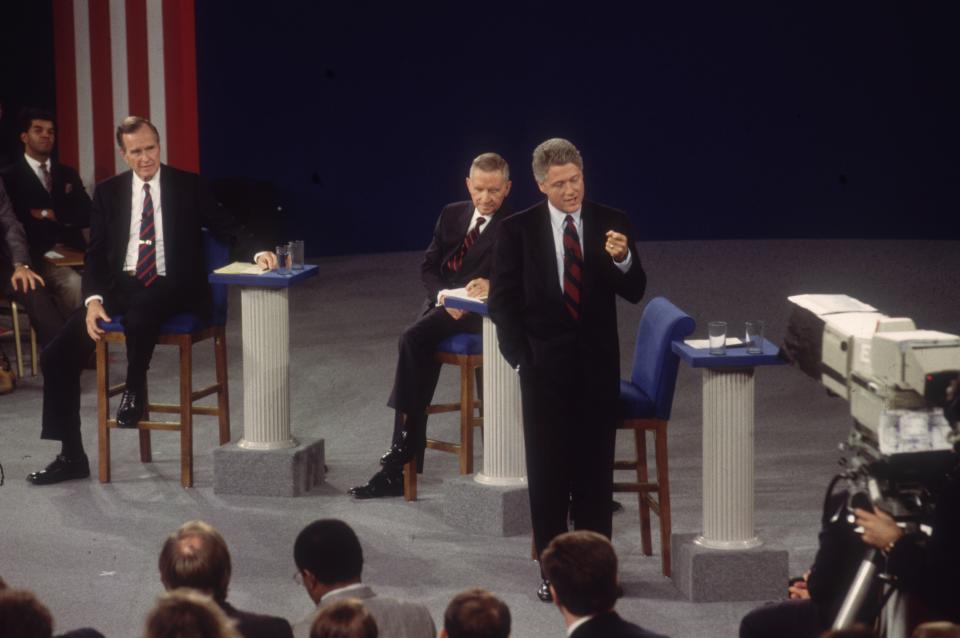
column 554, row 152
column 490, row 163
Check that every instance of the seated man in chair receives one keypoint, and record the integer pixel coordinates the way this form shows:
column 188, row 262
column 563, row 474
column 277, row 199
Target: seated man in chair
column 146, row 262
column 458, row 256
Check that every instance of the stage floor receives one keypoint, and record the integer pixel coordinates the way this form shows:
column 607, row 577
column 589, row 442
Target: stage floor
column 89, row 551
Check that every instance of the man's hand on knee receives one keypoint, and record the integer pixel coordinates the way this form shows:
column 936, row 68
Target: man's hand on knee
column 96, row 311
column 29, row 279
column 453, row 312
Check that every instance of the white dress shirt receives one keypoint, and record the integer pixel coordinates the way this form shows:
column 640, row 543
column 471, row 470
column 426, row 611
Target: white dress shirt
column 35, row 165
column 473, row 221
column 557, row 221
column 136, row 217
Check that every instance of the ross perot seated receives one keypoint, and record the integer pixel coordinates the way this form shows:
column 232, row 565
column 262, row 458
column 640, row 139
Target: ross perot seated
column 459, row 256
column 145, row 261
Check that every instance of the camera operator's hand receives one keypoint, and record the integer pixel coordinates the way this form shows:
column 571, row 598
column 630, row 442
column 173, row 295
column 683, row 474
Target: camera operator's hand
column 879, row 528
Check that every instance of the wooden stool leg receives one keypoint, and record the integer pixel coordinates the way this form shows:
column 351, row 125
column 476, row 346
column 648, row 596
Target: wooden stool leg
column 186, row 412
column 223, row 399
column 410, row 481
column 466, row 419
column 640, row 441
column 663, row 496
column 17, row 346
column 146, row 448
column 103, row 409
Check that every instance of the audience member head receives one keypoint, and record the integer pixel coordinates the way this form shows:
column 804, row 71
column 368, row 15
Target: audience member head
column 489, row 182
column 3, row 584
column 38, row 132
column 186, row 613
column 936, row 630
column 476, row 613
column 139, row 143
column 23, row 616
column 344, row 619
column 196, row 556
column 328, row 556
column 582, row 569
column 558, row 169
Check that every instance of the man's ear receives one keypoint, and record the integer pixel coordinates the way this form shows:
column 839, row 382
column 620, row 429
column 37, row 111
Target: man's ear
column 553, row 593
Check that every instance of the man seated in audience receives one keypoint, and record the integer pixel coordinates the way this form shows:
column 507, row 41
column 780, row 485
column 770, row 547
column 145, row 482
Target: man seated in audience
column 22, row 615
column 581, row 567
column 54, row 208
column 187, row 613
column 329, row 561
column 344, row 619
column 476, row 613
column 459, row 256
column 196, row 557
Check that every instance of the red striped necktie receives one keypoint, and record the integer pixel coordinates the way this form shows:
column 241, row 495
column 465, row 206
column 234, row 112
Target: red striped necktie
column 572, row 267
column 147, row 255
column 456, row 261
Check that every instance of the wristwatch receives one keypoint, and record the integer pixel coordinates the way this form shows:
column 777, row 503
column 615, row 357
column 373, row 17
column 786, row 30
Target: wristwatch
column 27, row 266
column 44, row 213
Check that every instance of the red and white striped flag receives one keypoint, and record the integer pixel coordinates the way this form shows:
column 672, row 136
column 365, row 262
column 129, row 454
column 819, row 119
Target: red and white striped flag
column 124, row 57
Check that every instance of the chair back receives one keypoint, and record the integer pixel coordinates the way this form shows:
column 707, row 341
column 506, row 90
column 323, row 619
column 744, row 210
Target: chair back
column 654, row 362
column 217, row 255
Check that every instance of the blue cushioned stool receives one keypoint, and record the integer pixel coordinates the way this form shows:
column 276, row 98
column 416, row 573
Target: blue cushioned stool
column 466, row 351
column 646, row 400
column 181, row 330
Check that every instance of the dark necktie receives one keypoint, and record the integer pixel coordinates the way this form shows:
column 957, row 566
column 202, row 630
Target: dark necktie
column 45, row 177
column 456, row 261
column 147, row 255
column 572, row 267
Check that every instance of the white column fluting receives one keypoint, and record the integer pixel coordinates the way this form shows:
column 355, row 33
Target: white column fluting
column 266, row 369
column 728, row 459
column 504, row 461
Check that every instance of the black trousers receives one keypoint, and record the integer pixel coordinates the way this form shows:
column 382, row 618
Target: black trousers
column 785, row 619
column 570, row 440
column 63, row 360
column 417, row 369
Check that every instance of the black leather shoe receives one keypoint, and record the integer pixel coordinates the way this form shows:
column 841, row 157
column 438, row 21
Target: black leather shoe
column 381, row 484
column 400, row 452
column 130, row 410
column 543, row 591
column 616, row 506
column 62, row 469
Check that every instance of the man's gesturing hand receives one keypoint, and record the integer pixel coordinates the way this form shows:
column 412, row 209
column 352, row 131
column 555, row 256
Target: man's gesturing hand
column 616, row 245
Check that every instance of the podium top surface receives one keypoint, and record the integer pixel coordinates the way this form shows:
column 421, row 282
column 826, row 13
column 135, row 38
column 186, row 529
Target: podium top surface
column 270, row 279
column 470, row 305
column 736, row 356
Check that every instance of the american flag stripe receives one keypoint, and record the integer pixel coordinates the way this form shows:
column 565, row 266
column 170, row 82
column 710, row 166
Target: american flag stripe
column 119, row 57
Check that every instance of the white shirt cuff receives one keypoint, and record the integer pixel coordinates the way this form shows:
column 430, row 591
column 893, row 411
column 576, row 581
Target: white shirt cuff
column 86, row 302
column 624, row 265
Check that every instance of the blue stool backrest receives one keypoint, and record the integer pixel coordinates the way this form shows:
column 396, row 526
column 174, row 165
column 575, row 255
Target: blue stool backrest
column 218, row 255
column 654, row 363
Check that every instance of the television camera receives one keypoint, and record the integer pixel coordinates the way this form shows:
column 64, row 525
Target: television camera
column 902, row 444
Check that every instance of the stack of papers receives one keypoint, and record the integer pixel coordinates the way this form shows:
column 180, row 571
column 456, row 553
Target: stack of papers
column 241, row 268
column 458, row 293
column 703, row 344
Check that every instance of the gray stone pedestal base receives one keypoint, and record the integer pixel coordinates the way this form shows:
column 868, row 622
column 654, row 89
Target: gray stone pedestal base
column 713, row 575
column 287, row 472
column 486, row 509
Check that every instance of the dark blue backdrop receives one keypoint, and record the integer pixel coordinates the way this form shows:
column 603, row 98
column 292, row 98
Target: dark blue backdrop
column 700, row 119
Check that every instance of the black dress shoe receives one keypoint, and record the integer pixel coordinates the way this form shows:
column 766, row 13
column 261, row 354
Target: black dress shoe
column 400, row 452
column 62, row 469
column 130, row 410
column 543, row 591
column 616, row 506
column 381, row 484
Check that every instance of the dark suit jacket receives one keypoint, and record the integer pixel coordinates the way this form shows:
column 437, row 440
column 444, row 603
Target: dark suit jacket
column 526, row 301
column 611, row 625
column 448, row 234
column 69, row 201
column 187, row 206
column 257, row 625
column 13, row 243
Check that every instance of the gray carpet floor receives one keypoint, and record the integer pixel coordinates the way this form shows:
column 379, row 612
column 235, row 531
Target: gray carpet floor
column 90, row 550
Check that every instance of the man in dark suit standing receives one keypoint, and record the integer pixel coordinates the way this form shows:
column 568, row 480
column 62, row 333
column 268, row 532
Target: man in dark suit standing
column 459, row 256
column 558, row 268
column 582, row 568
column 196, row 556
column 146, row 262
column 54, row 208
